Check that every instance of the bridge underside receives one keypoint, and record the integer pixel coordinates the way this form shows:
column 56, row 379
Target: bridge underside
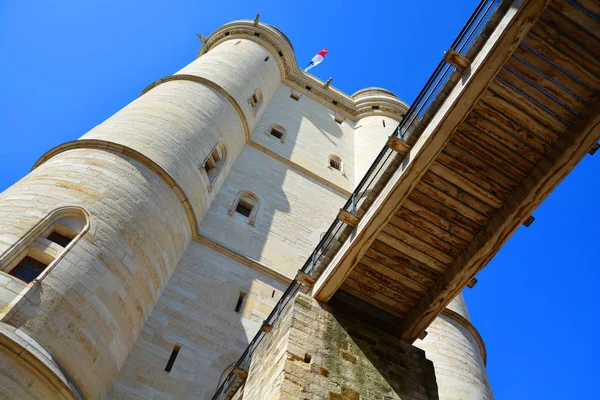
column 509, row 130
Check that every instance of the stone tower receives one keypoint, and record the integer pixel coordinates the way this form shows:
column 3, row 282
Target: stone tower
column 139, row 260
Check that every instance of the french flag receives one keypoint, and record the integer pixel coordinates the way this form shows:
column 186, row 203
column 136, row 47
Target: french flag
column 316, row 60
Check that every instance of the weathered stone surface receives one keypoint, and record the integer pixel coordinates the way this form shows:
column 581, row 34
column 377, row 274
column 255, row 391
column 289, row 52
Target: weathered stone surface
column 361, row 362
column 459, row 366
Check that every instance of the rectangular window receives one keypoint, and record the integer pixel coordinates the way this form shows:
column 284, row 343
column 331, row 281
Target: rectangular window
column 59, row 239
column 28, row 269
column 243, row 208
column 335, row 164
column 277, row 133
column 171, row 361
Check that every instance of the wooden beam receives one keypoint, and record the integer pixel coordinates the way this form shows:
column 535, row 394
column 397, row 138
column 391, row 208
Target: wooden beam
column 560, row 160
column 240, row 372
column 458, row 60
column 398, row 145
column 594, row 149
column 305, row 278
column 509, row 33
column 348, row 218
column 423, row 335
column 265, row 327
column 472, row 283
column 529, row 221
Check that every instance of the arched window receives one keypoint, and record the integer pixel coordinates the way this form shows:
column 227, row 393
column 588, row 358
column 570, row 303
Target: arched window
column 245, row 204
column 336, row 163
column 256, row 100
column 214, row 163
column 277, row 131
column 43, row 246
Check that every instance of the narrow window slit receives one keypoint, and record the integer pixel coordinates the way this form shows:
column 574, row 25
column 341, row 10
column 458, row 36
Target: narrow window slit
column 266, row 58
column 383, row 120
column 171, row 361
column 240, row 301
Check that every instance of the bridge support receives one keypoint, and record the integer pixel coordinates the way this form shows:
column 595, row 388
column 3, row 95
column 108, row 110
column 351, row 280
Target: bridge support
column 315, row 352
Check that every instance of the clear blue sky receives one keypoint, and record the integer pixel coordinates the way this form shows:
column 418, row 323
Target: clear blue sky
column 68, row 65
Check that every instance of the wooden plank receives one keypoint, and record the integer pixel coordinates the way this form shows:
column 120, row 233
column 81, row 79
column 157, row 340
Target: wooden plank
column 417, row 243
column 483, row 166
column 580, row 92
column 439, row 233
column 524, row 111
column 372, row 296
column 587, row 24
column 394, row 258
column 461, row 208
column 565, row 154
column 510, row 30
column 556, row 23
column 562, row 56
column 504, row 145
column 444, row 223
column 485, row 152
column 531, row 90
column 592, row 6
column 455, row 192
column 410, row 284
column 425, row 236
column 508, row 132
column 411, row 252
column 383, row 284
column 443, row 210
column 460, row 175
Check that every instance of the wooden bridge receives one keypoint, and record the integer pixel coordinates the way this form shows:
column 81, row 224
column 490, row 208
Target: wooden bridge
column 520, row 111
column 507, row 129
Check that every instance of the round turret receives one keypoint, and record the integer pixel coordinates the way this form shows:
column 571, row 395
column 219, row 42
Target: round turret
column 458, row 354
column 143, row 179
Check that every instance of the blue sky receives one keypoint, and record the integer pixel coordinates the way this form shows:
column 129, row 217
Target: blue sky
column 66, row 66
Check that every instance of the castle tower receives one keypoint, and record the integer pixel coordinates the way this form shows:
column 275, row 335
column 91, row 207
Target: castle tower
column 458, row 354
column 140, row 259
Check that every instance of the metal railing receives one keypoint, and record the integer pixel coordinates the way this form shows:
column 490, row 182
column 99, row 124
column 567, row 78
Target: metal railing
column 408, row 127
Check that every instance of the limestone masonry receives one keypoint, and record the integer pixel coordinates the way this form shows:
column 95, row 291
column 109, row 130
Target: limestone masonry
column 139, row 261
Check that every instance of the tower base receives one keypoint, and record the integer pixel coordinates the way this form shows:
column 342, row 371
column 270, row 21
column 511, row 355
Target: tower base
column 313, row 352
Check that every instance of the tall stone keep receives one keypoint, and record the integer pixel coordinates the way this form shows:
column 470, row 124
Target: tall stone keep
column 139, row 260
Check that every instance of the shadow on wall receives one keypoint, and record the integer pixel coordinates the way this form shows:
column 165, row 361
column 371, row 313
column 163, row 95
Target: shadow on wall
column 370, row 361
column 282, row 227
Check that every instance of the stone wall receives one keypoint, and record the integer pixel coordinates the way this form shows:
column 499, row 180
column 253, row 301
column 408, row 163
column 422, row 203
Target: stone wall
column 197, row 312
column 312, row 134
column 316, row 353
column 293, row 212
column 457, row 352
